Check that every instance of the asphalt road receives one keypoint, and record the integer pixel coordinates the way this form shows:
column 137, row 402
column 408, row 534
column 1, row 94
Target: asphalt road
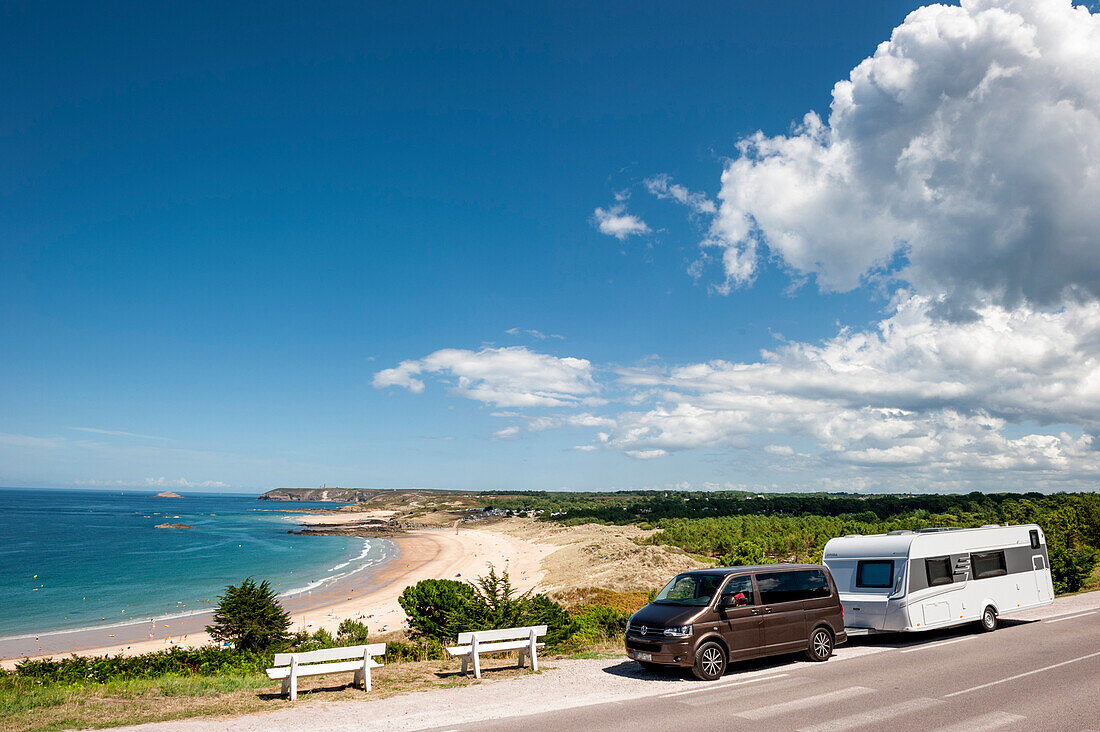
column 1024, row 676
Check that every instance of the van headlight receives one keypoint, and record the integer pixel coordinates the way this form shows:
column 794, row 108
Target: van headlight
column 678, row 631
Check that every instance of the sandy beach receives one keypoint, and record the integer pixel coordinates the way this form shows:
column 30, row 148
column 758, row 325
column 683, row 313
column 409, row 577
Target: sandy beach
column 369, row 596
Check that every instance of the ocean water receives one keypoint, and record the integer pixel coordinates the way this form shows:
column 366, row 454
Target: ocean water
column 85, row 558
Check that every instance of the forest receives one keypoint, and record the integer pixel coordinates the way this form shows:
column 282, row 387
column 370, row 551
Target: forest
column 735, row 527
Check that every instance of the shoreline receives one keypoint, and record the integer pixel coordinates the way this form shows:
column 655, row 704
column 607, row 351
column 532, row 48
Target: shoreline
column 369, row 595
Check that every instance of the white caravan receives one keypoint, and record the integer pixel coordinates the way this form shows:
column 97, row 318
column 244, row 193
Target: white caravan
column 936, row 578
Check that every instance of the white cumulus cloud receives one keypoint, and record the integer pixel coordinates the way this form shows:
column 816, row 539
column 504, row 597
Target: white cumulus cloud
column 915, row 391
column 616, row 222
column 505, row 377
column 968, row 144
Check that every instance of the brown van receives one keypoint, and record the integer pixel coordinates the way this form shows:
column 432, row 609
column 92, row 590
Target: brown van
column 706, row 618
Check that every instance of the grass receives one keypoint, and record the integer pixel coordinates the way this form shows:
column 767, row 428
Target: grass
column 27, row 704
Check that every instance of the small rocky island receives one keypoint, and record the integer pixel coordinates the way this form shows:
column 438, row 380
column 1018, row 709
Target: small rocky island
column 168, row 494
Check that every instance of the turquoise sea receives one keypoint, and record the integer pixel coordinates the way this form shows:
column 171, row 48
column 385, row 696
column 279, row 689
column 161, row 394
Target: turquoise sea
column 85, row 558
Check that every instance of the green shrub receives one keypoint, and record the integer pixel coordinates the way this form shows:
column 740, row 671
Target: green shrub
column 441, row 609
column 250, row 617
column 421, row 649
column 1070, row 568
column 744, row 553
column 206, row 661
column 352, row 633
column 438, row 609
column 594, row 624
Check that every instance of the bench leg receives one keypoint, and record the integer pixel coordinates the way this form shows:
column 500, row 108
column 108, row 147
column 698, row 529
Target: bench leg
column 294, row 687
column 357, row 678
column 534, row 655
column 465, row 659
column 477, row 666
column 366, row 678
column 286, row 686
column 521, row 659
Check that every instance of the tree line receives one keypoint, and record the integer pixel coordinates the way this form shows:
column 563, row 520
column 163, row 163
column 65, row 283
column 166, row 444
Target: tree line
column 735, row 527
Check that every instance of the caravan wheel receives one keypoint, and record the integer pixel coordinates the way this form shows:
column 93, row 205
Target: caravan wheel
column 989, row 620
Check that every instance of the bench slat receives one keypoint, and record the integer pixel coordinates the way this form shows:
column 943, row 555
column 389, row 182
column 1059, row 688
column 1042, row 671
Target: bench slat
column 492, row 647
column 500, row 635
column 331, row 654
column 319, row 668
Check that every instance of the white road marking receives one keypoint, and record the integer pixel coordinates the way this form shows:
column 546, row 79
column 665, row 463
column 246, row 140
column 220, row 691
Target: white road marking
column 722, row 685
column 809, row 701
column 1020, row 676
column 1071, row 617
column 936, row 645
column 872, row 716
column 728, row 694
column 984, row 723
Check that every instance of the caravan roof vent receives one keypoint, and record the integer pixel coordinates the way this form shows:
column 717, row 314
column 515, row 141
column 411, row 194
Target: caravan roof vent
column 939, row 528
column 899, row 532
column 851, row 536
column 991, row 526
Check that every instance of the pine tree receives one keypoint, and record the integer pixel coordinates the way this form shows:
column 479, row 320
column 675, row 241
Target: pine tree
column 250, row 617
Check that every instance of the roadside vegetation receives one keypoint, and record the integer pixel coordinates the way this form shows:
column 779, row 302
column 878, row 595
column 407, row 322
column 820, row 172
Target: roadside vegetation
column 90, row 691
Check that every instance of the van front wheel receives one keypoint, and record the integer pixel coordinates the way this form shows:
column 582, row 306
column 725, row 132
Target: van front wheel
column 989, row 620
column 821, row 645
column 710, row 661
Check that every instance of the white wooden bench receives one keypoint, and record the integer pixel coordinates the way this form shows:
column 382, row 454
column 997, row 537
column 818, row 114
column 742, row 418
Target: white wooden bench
column 291, row 666
column 472, row 644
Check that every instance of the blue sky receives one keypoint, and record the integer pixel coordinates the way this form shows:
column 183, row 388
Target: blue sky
column 221, row 225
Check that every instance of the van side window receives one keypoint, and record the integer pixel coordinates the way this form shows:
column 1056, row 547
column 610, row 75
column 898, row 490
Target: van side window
column 815, row 583
column 802, row 584
column 988, row 564
column 1034, row 538
column 738, row 593
column 875, row 573
column 939, row 571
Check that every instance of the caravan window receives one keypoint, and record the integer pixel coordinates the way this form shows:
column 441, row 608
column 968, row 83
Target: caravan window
column 875, row 573
column 939, row 571
column 1034, row 538
column 988, row 564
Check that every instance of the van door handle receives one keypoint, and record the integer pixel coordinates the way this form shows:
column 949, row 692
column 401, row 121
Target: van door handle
column 755, row 611
column 767, row 609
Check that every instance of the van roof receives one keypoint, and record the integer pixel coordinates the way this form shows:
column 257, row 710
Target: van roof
column 751, row 568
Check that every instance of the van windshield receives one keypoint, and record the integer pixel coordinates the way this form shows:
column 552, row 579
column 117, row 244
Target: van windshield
column 689, row 589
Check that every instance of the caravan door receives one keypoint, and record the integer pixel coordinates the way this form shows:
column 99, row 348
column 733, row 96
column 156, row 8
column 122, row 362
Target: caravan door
column 1041, row 572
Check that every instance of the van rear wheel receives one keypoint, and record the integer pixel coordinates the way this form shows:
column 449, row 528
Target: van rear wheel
column 710, row 661
column 821, row 645
column 989, row 620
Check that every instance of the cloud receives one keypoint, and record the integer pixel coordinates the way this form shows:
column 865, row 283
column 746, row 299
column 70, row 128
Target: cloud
column 161, row 482
column 915, row 391
column 662, row 187
column 538, row 335
column 116, row 433
column 1007, row 395
column 616, row 222
column 962, row 157
column 505, row 377
column 29, row 441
